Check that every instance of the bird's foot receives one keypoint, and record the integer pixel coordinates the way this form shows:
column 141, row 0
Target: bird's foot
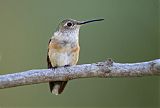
column 66, row 65
column 53, row 68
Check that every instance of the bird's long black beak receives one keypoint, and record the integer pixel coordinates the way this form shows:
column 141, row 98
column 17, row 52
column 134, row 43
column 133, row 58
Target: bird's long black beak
column 85, row 22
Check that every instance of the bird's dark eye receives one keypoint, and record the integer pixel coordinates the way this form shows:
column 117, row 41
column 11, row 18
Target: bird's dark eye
column 69, row 24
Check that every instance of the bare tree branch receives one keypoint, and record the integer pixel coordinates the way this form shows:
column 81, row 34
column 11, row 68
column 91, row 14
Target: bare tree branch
column 101, row 69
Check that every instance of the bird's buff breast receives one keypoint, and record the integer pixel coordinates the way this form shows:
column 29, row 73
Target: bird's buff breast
column 63, row 53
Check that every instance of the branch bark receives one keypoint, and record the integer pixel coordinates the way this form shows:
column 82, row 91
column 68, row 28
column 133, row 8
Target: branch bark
column 104, row 69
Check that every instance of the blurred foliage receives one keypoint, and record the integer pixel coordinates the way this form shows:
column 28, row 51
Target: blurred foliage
column 129, row 33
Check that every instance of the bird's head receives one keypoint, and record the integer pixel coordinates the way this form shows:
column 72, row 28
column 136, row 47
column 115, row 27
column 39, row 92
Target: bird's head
column 71, row 25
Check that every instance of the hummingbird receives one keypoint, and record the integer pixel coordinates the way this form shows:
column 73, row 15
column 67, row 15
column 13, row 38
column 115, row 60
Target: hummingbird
column 63, row 49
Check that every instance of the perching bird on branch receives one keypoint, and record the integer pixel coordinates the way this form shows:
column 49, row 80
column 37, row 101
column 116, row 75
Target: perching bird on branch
column 63, row 49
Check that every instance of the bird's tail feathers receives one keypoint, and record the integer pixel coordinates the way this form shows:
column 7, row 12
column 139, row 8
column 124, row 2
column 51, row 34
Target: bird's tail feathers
column 57, row 87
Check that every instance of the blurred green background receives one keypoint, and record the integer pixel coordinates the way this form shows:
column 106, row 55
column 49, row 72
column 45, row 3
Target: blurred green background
column 129, row 33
